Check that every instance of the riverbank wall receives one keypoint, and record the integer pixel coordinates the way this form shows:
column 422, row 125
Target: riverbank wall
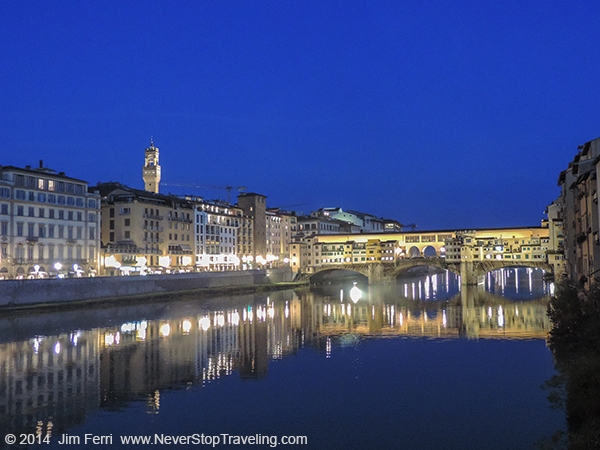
column 26, row 293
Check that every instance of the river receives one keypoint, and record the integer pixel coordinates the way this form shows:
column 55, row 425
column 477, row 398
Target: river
column 416, row 365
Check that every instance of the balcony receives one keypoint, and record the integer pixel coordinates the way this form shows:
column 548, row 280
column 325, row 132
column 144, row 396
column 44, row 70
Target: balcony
column 31, row 239
column 153, row 228
column 71, row 241
column 153, row 217
column 122, row 248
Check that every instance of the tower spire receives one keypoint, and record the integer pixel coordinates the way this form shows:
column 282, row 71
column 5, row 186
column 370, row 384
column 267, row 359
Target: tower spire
column 151, row 169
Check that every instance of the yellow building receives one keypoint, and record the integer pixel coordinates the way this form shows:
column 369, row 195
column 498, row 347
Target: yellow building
column 144, row 231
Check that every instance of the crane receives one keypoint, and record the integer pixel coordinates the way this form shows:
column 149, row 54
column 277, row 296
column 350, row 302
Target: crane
column 208, row 186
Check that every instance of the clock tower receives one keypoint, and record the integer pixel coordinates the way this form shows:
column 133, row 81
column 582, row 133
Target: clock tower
column 151, row 170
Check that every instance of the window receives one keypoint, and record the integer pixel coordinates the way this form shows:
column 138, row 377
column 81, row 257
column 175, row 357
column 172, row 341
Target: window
column 92, row 203
column 4, row 209
column 61, row 200
column 127, row 222
column 31, row 211
column 125, row 211
column 20, row 194
column 19, row 228
column 92, row 218
column 41, row 212
column 20, row 210
column 61, row 231
column 128, row 235
column 4, row 228
column 30, row 228
column 70, row 215
column 31, row 196
column 51, row 198
column 5, row 192
column 61, row 214
column 111, row 212
column 79, row 216
column 41, row 197
column 111, row 224
column 42, row 230
column 79, row 201
column 70, row 201
column 79, row 232
column 51, row 213
column 69, row 232
column 51, row 185
column 50, row 231
column 92, row 233
column 111, row 236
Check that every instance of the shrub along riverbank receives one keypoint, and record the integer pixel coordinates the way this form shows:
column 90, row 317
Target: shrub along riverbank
column 575, row 343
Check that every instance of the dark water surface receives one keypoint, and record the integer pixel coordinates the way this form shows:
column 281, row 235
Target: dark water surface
column 417, row 365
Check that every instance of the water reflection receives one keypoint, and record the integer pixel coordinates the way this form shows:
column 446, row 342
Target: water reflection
column 56, row 368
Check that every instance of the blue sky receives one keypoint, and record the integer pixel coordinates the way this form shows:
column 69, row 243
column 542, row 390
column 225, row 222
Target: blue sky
column 444, row 114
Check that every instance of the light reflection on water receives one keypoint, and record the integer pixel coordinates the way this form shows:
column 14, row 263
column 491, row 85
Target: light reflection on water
column 57, row 369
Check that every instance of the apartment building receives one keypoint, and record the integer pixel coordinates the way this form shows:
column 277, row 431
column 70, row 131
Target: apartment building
column 576, row 210
column 216, row 235
column 49, row 224
column 145, row 232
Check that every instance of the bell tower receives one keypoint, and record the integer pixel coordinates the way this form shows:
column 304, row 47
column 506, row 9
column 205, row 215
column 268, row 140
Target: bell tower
column 151, row 170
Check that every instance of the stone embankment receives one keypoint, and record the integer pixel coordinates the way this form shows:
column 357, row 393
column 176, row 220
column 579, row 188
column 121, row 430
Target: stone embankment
column 25, row 294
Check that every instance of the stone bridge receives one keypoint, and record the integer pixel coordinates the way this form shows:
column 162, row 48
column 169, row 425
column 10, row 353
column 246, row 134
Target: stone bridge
column 471, row 272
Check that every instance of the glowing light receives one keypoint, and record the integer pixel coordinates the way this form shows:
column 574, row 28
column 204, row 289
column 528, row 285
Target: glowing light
column 186, row 260
column 500, row 317
column 109, row 339
column 165, row 329
column 355, row 293
column 204, row 323
column 57, row 348
column 186, row 325
column 164, row 261
column 57, row 266
column 220, row 320
column 235, row 318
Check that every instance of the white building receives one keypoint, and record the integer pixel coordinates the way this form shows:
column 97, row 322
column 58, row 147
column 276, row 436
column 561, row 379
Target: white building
column 49, row 224
column 216, row 235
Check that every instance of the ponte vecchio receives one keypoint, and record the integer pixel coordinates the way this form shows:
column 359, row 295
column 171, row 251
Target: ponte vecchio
column 468, row 253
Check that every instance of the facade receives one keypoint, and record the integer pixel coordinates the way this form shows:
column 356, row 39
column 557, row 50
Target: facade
column 216, row 235
column 145, row 232
column 576, row 210
column 366, row 223
column 49, row 224
column 255, row 206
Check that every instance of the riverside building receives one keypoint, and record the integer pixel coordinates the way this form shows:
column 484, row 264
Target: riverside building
column 145, row 232
column 49, row 224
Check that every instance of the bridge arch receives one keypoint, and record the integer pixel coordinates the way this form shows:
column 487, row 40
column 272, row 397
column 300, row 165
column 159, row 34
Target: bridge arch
column 414, row 252
column 331, row 274
column 430, row 252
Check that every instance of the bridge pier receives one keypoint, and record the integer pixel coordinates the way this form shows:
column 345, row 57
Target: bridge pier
column 468, row 276
column 375, row 274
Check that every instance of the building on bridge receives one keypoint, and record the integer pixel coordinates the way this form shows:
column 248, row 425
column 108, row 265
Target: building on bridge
column 471, row 253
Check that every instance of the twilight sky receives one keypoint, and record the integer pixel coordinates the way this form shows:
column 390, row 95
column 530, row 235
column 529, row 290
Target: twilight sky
column 444, row 114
